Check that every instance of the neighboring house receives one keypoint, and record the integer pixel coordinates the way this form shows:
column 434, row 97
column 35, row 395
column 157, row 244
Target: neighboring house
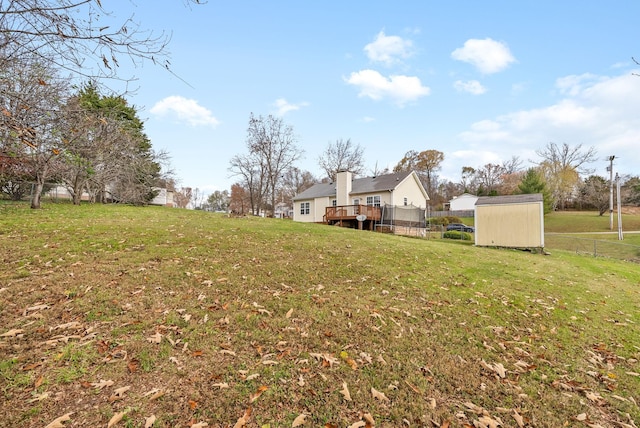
column 464, row 202
column 353, row 196
column 163, row 198
column 514, row 221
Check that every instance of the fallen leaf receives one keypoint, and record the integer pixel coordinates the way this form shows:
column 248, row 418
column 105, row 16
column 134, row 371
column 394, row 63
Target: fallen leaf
column 12, row 333
column 40, row 397
column 193, row 404
column 148, row 422
column 345, row 391
column 115, row 419
column 289, row 313
column 378, row 395
column 199, row 425
column 133, row 365
column 519, row 419
column 581, row 417
column 298, row 420
column 221, row 385
column 102, row 384
column 369, row 419
column 258, row 393
column 156, row 338
column 358, row 424
column 244, row 419
column 57, row 423
column 120, row 391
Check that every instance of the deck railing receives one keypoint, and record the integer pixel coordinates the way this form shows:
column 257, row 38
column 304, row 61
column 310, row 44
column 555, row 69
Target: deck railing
column 349, row 212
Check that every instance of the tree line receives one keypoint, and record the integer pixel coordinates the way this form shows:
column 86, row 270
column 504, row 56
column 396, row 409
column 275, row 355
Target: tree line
column 267, row 173
column 56, row 131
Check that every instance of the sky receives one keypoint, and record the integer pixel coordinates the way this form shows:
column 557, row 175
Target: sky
column 479, row 81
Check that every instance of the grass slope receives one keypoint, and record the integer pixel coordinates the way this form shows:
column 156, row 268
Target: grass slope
column 123, row 315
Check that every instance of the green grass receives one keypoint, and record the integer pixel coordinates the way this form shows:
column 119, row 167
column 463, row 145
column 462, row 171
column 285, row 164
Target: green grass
column 268, row 318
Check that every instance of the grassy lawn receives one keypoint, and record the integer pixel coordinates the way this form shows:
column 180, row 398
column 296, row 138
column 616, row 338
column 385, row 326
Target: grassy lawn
column 163, row 317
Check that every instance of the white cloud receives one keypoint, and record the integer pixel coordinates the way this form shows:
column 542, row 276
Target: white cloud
column 574, row 84
column 595, row 112
column 401, row 89
column 184, row 110
column 283, row 106
column 487, row 55
column 471, row 86
column 389, row 49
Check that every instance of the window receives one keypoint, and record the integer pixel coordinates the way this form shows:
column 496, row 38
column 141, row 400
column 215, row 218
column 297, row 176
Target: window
column 334, row 203
column 373, row 200
column 356, row 201
column 405, row 201
column 304, row 208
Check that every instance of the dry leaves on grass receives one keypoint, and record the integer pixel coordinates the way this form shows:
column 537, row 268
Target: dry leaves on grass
column 258, row 393
column 345, row 391
column 116, row 418
column 379, row 395
column 244, row 419
column 58, row 422
column 299, row 420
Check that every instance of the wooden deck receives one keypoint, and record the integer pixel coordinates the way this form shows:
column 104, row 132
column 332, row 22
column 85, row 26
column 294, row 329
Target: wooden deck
column 346, row 215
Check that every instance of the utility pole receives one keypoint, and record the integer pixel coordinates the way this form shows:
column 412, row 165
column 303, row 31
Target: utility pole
column 610, row 169
column 620, row 236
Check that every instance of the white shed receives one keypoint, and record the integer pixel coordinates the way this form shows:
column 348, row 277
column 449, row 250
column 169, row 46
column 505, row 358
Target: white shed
column 514, row 221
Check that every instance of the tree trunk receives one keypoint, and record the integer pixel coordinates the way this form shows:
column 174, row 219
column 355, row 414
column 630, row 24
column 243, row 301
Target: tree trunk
column 37, row 194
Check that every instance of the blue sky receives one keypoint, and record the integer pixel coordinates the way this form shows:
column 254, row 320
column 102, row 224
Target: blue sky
column 479, row 81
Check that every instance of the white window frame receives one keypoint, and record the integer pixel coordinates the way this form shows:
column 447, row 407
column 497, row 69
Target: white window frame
column 373, row 201
column 305, row 208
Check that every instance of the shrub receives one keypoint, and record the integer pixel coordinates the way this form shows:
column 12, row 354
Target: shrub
column 445, row 220
column 455, row 234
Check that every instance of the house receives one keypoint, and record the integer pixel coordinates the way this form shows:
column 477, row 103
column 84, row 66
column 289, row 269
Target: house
column 514, row 221
column 464, row 202
column 347, row 198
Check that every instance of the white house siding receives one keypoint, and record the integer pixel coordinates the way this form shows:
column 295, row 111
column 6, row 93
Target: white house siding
column 408, row 190
column 463, row 202
column 316, row 210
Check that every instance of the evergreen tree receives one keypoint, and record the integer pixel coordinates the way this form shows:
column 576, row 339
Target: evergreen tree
column 532, row 182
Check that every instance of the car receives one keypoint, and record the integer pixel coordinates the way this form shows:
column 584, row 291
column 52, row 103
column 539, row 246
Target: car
column 460, row 227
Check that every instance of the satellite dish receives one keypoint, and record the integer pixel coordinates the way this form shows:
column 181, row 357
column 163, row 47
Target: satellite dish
column 361, row 217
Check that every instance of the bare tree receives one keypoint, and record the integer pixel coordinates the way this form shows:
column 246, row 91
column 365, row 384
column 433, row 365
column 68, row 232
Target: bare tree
column 562, row 167
column 273, row 145
column 490, row 178
column 31, row 100
column 343, row 155
column 183, row 196
column 295, row 181
column 426, row 164
column 79, row 36
column 565, row 156
column 249, row 168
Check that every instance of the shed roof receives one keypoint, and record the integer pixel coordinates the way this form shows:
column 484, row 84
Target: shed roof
column 358, row 186
column 509, row 199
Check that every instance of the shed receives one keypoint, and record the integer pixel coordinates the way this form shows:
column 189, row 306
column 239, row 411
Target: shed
column 513, row 221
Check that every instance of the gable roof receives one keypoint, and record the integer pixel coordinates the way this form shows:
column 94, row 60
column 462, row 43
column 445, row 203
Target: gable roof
column 509, row 199
column 379, row 183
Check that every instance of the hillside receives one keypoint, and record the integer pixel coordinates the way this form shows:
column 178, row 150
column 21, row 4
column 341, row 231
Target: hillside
column 137, row 316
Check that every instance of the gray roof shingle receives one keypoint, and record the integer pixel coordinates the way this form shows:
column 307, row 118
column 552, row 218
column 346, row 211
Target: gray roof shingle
column 358, row 186
column 509, row 199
